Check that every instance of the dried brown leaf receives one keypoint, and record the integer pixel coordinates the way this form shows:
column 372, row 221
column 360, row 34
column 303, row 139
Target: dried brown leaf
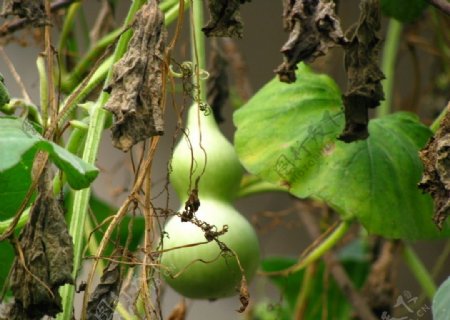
column 363, row 73
column 47, row 251
column 102, row 302
column 244, row 295
column 225, row 19
column 217, row 85
column 32, row 10
column 179, row 312
column 436, row 176
column 136, row 87
column 314, row 27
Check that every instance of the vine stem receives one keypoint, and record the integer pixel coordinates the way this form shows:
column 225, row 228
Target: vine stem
column 198, row 48
column 81, row 199
column 419, row 271
column 317, row 251
column 388, row 65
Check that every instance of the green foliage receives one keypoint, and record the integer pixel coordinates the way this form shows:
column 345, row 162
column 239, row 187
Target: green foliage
column 403, row 10
column 103, row 210
column 325, row 296
column 441, row 302
column 287, row 135
column 19, row 142
column 4, row 94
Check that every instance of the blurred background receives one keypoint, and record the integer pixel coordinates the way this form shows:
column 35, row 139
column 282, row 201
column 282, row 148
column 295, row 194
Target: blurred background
column 414, row 90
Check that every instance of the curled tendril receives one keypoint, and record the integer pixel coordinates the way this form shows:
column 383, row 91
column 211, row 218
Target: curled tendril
column 186, row 70
column 204, row 107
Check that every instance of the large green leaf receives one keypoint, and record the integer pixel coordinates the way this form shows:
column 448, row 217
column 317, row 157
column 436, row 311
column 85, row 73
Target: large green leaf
column 286, row 134
column 19, row 143
column 441, row 302
column 403, row 10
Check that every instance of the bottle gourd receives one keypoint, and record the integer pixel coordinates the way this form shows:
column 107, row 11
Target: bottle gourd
column 202, row 272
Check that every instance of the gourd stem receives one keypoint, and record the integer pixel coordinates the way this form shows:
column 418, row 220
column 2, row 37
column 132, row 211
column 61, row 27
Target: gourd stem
column 388, row 65
column 198, row 49
column 420, row 271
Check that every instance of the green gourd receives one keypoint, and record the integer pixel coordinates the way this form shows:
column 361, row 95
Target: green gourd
column 217, row 187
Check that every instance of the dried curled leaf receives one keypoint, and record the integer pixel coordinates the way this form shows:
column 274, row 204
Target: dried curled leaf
column 225, row 19
column 102, row 302
column 363, row 74
column 47, row 251
column 32, row 10
column 314, row 28
column 136, row 87
column 244, row 295
column 436, row 177
column 217, row 85
column 179, row 312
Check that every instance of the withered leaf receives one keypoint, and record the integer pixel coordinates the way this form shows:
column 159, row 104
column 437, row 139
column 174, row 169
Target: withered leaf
column 225, row 20
column 136, row 87
column 217, row 85
column 436, row 176
column 244, row 295
column 102, row 302
column 179, row 312
column 48, row 255
column 32, row 10
column 363, row 73
column 314, row 27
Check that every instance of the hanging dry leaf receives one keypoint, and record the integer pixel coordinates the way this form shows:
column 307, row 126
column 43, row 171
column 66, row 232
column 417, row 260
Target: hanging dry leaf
column 314, row 28
column 136, row 87
column 217, row 85
column 179, row 312
column 32, row 10
column 363, row 73
column 225, row 19
column 47, row 251
column 244, row 295
column 436, row 177
column 102, row 302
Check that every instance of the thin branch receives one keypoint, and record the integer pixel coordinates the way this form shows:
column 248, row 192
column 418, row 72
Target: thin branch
column 16, row 75
column 339, row 274
column 13, row 26
column 442, row 5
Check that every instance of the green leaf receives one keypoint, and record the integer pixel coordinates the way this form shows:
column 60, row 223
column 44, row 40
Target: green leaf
column 441, row 302
column 19, row 142
column 103, row 210
column 270, row 311
column 403, row 10
column 324, row 295
column 14, row 184
column 4, row 94
column 287, row 135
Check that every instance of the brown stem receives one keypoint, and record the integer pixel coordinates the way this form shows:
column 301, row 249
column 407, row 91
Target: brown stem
column 442, row 5
column 13, row 26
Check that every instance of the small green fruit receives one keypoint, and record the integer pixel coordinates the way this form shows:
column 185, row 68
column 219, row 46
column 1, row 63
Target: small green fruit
column 220, row 276
column 223, row 171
